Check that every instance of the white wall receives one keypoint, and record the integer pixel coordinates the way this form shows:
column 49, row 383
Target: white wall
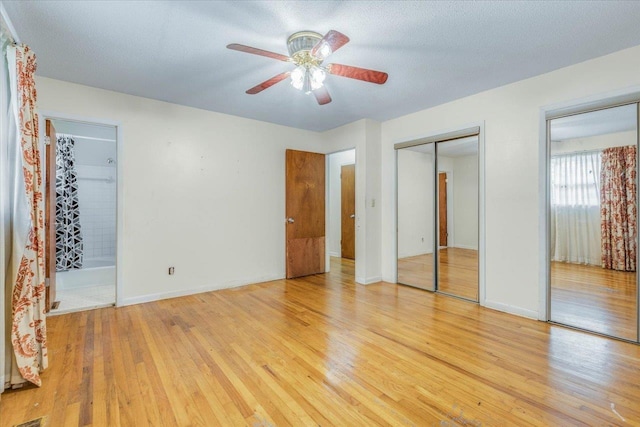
column 203, row 191
column 511, row 115
column 336, row 161
column 465, row 202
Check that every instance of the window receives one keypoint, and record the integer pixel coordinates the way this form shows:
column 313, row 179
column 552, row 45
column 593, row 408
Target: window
column 575, row 179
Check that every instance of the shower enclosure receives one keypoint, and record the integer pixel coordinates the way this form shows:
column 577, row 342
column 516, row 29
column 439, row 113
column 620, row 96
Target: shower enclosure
column 90, row 282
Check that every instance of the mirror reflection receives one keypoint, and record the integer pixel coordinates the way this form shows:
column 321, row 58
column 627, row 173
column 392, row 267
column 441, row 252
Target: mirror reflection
column 458, row 217
column 439, row 211
column 593, row 221
column 415, row 216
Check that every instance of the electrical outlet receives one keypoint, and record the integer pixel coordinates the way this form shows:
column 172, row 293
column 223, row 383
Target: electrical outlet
column 171, row 271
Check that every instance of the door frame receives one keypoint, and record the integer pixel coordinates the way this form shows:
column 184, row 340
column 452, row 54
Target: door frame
column 442, row 136
column 564, row 109
column 54, row 115
column 450, row 230
column 328, row 203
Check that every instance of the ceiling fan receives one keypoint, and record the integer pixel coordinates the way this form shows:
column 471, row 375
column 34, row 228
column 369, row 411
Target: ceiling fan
column 307, row 50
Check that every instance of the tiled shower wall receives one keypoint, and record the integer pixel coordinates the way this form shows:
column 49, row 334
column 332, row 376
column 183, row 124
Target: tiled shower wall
column 97, row 199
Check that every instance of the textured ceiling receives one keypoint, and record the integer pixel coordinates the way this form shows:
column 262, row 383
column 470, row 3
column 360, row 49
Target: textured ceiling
column 434, row 52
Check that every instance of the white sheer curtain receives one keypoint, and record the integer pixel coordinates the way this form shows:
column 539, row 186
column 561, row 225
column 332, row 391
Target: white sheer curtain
column 575, row 207
column 7, row 171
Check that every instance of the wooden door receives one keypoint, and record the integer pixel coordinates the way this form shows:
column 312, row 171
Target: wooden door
column 348, row 211
column 50, row 216
column 305, row 211
column 442, row 208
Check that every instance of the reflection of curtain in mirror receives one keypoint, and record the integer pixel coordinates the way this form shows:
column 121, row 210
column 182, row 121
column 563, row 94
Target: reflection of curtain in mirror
column 575, row 207
column 618, row 211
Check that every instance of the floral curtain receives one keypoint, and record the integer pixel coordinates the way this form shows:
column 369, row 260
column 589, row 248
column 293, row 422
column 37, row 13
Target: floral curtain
column 618, row 216
column 28, row 329
column 68, row 231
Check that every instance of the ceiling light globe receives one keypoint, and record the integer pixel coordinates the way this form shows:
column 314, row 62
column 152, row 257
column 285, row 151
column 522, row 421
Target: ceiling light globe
column 297, row 77
column 318, row 75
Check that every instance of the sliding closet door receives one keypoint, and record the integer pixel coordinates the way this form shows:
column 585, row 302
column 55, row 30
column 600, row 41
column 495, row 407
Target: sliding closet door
column 458, row 217
column 593, row 221
column 416, row 222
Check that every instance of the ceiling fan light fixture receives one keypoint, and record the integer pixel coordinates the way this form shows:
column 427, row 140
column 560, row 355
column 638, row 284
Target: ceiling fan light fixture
column 307, row 79
column 307, row 51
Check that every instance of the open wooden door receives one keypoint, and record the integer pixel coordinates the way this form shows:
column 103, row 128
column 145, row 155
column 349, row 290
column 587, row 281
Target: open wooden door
column 50, row 216
column 348, row 211
column 442, row 208
column 305, row 210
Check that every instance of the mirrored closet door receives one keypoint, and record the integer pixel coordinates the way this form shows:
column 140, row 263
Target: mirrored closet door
column 593, row 211
column 416, row 220
column 437, row 214
column 458, row 217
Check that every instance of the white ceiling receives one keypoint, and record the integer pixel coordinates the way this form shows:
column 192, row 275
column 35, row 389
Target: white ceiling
column 600, row 122
column 434, row 52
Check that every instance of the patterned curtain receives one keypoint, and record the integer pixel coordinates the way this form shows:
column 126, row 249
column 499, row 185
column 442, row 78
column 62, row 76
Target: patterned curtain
column 28, row 329
column 68, row 232
column 618, row 214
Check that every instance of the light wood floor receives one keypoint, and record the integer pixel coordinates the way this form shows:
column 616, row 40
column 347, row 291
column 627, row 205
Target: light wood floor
column 323, row 351
column 457, row 274
column 594, row 298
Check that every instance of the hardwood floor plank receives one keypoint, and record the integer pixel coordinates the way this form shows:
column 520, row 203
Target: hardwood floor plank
column 594, row 298
column 322, row 350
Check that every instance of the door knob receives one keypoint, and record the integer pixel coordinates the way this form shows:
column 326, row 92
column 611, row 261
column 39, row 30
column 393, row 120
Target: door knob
column 352, row 216
column 290, row 220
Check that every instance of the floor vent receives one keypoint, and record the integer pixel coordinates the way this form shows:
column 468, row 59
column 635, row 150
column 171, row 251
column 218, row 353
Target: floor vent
column 38, row 422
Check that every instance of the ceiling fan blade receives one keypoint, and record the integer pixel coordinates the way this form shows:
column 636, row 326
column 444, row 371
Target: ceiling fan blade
column 363, row 74
column 333, row 39
column 322, row 95
column 256, row 51
column 267, row 84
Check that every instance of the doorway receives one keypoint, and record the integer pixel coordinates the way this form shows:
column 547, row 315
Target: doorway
column 82, row 195
column 341, row 208
column 592, row 210
column 430, row 205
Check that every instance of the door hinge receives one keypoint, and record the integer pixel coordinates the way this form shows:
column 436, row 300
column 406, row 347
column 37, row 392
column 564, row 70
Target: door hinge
column 47, row 282
column 47, row 140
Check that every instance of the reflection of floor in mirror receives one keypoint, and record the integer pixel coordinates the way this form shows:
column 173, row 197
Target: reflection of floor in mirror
column 593, row 298
column 458, row 272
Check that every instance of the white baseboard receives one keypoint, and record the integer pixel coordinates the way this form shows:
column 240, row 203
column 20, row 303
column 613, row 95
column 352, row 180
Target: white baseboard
column 197, row 290
column 336, row 254
column 511, row 309
column 368, row 280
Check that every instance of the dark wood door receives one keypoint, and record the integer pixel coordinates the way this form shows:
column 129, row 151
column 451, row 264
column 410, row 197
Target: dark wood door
column 442, row 208
column 50, row 216
column 305, row 211
column 348, row 214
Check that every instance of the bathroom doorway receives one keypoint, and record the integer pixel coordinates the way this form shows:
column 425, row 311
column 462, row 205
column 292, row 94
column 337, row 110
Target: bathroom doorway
column 85, row 212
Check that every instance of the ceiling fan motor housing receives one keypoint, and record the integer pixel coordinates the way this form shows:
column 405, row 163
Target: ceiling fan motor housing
column 300, row 44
